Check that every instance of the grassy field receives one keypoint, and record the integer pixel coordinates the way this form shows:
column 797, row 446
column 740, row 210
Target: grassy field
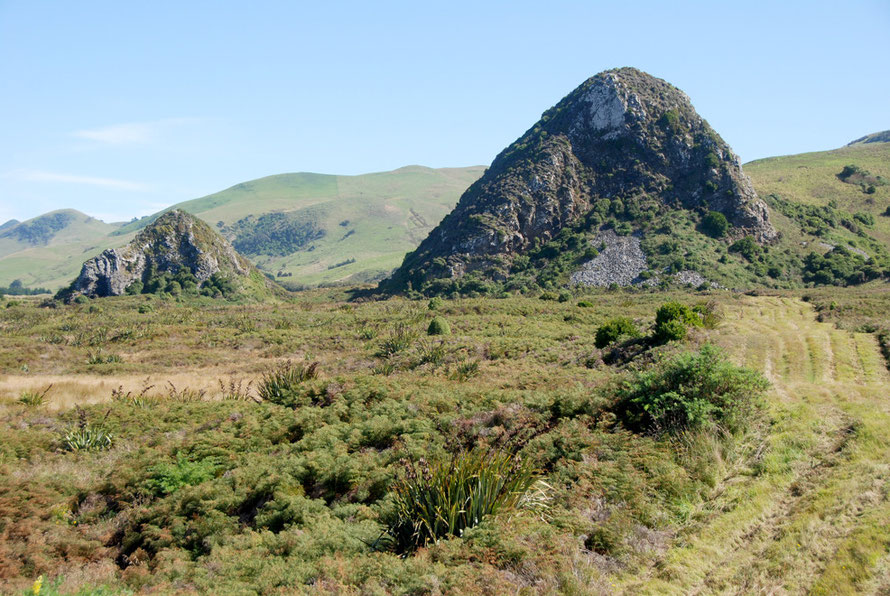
column 205, row 489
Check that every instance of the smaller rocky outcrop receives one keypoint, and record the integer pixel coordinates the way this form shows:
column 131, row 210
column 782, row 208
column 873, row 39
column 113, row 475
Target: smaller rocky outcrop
column 175, row 241
column 875, row 137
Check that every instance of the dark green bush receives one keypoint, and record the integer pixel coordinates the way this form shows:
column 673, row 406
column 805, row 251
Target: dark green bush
column 671, row 330
column 614, row 330
column 747, row 247
column 715, row 224
column 438, row 326
column 694, row 390
column 672, row 319
column 586, row 304
column 435, row 303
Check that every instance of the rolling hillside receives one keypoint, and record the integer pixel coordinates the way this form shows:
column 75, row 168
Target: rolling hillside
column 812, row 179
column 48, row 250
column 358, row 227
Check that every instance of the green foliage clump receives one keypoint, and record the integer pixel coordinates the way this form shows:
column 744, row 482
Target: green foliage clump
column 438, row 326
column 166, row 478
column 284, row 384
column 715, row 224
column 399, row 340
column 100, row 357
column 839, row 266
column 275, row 234
column 692, row 391
column 17, row 288
column 218, row 285
column 672, row 320
column 435, row 303
column 747, row 247
column 84, row 436
column 443, row 500
column 614, row 330
column 586, row 304
column 34, row 399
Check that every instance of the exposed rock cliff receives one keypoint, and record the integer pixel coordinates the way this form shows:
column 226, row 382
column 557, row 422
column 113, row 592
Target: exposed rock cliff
column 623, row 135
column 175, row 241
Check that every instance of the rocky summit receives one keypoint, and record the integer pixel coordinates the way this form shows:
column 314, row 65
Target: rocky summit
column 175, row 241
column 621, row 138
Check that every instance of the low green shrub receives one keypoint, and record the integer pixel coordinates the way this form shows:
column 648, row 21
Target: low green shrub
column 672, row 320
column 284, row 384
column 84, row 436
column 697, row 390
column 614, row 330
column 442, row 500
column 431, row 353
column 586, row 304
column 435, row 303
column 466, row 370
column 34, row 398
column 399, row 340
column 99, row 357
column 166, row 478
column 438, row 326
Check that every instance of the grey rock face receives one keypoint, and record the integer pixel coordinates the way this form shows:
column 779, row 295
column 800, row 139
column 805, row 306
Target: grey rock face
column 176, row 240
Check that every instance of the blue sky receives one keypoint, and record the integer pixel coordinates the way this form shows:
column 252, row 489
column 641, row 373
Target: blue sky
column 119, row 109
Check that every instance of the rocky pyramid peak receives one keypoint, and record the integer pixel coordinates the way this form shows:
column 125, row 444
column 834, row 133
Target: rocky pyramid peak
column 622, row 135
column 173, row 242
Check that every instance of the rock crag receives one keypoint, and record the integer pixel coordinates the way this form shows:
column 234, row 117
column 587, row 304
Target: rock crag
column 622, row 135
column 175, row 241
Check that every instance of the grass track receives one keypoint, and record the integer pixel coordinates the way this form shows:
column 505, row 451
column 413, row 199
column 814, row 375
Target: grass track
column 813, row 516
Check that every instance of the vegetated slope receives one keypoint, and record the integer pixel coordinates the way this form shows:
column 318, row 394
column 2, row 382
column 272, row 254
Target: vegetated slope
column 814, row 179
column 47, row 250
column 177, row 253
column 309, row 229
column 809, row 515
column 624, row 150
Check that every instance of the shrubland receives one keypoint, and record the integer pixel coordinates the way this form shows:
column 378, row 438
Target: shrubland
column 323, row 445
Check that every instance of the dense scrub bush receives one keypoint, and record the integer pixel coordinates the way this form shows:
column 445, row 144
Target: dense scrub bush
column 747, row 247
column 442, row 500
column 839, row 266
column 672, row 320
column 284, row 385
column 700, row 390
column 438, row 326
column 614, row 330
column 715, row 224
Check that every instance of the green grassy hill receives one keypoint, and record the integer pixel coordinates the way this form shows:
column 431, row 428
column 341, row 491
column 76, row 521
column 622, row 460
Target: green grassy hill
column 48, row 250
column 356, row 227
column 812, row 179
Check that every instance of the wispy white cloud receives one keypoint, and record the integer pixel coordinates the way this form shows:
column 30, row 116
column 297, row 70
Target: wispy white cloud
column 129, row 133
column 43, row 176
